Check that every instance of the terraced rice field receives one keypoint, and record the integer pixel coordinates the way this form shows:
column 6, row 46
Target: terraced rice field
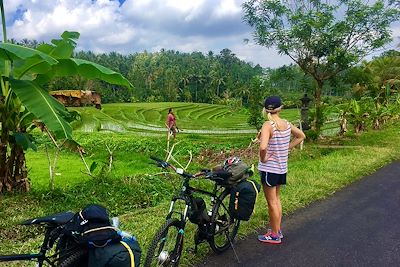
column 151, row 117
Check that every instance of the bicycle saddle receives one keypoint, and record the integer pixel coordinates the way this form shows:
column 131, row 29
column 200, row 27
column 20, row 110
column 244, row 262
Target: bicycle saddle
column 54, row 219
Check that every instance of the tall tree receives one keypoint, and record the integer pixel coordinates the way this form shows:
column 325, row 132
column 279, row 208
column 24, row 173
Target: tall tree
column 255, row 118
column 322, row 37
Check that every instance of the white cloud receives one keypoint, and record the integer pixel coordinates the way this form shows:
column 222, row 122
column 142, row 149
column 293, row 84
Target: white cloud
column 184, row 6
column 117, row 38
column 227, row 8
column 396, row 31
column 138, row 25
column 99, row 21
column 260, row 55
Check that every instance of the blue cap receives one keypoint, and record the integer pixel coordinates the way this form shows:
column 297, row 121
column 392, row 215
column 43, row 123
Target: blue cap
column 272, row 102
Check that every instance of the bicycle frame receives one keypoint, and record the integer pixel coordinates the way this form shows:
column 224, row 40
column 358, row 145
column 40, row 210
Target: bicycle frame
column 187, row 195
column 207, row 223
column 40, row 257
column 186, row 192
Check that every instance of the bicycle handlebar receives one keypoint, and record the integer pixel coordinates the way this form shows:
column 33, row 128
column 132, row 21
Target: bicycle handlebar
column 163, row 164
column 209, row 174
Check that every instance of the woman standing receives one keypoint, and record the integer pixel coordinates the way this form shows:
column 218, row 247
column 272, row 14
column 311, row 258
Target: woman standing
column 171, row 123
column 274, row 149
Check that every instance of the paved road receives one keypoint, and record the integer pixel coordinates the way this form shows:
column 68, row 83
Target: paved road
column 357, row 226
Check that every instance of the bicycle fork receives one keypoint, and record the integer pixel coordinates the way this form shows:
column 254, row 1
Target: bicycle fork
column 181, row 231
column 184, row 216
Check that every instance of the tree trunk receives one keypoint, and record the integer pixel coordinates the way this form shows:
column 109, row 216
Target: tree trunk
column 4, row 177
column 318, row 107
column 13, row 171
column 196, row 92
column 4, row 183
column 17, row 169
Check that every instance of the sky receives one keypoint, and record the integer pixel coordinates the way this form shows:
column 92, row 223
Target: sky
column 129, row 26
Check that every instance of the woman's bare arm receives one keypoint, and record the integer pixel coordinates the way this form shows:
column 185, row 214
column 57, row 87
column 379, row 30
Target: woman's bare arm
column 264, row 139
column 299, row 136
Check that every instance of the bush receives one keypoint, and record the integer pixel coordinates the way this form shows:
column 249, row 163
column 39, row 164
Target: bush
column 311, row 135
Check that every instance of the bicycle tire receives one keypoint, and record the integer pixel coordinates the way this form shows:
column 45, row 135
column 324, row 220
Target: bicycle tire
column 73, row 260
column 171, row 258
column 222, row 225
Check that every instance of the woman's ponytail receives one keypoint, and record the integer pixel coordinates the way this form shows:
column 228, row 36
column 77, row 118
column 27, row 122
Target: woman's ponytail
column 274, row 121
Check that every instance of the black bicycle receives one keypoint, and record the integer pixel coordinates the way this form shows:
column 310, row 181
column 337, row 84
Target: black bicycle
column 62, row 254
column 217, row 226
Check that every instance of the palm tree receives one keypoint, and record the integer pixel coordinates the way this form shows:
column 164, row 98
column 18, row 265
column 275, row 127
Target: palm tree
column 216, row 78
column 384, row 78
column 244, row 93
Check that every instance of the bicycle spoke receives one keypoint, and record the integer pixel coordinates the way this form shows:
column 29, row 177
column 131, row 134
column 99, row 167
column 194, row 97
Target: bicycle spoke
column 225, row 226
column 165, row 248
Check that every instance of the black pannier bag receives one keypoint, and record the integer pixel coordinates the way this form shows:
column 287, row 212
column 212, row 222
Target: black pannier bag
column 231, row 172
column 126, row 253
column 198, row 213
column 243, row 198
column 91, row 226
column 92, row 231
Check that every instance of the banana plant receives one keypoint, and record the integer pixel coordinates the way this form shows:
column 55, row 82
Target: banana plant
column 25, row 105
column 358, row 113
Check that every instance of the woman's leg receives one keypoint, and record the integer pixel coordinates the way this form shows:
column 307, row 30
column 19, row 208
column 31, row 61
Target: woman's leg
column 273, row 207
column 278, row 187
column 168, row 133
column 174, row 131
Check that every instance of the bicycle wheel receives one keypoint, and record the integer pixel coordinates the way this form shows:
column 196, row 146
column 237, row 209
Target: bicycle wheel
column 223, row 226
column 167, row 244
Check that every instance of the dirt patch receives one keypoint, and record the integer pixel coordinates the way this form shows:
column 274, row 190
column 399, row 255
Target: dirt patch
column 216, row 157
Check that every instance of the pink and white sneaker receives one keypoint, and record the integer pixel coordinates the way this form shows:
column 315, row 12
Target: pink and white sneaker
column 270, row 238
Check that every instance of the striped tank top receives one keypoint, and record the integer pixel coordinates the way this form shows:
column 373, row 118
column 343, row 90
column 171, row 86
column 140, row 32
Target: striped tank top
column 277, row 151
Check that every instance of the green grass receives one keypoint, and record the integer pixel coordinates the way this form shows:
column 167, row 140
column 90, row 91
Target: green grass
column 141, row 199
column 190, row 116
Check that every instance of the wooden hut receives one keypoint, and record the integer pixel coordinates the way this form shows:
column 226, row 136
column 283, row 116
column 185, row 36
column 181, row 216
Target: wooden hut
column 77, row 98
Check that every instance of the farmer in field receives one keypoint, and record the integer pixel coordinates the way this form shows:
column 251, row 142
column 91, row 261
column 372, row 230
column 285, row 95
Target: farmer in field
column 274, row 150
column 171, row 123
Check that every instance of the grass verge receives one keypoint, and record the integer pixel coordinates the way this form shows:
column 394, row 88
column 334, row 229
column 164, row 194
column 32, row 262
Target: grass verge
column 315, row 173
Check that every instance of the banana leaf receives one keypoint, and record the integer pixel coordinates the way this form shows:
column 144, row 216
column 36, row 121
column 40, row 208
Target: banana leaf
column 28, row 68
column 13, row 52
column 84, row 68
column 25, row 140
column 61, row 48
column 44, row 107
column 27, row 61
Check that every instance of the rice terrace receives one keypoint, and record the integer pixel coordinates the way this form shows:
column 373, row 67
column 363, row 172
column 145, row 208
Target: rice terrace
column 144, row 118
column 135, row 134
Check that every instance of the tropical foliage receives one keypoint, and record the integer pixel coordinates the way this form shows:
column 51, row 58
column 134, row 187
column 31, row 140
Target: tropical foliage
column 318, row 39
column 256, row 103
column 25, row 105
column 169, row 76
column 376, row 94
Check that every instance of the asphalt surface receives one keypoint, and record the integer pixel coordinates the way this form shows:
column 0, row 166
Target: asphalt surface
column 357, row 226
